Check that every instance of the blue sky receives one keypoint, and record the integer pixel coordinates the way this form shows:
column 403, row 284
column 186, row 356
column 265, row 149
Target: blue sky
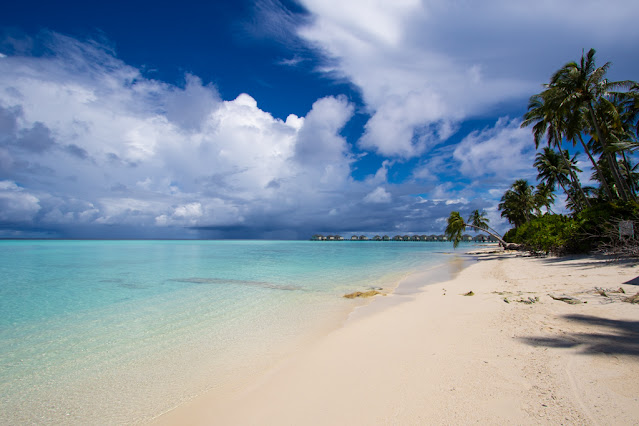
column 269, row 119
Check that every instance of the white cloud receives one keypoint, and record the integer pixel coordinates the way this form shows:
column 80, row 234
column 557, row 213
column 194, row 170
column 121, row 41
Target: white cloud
column 191, row 210
column 503, row 150
column 319, row 140
column 16, row 204
column 104, row 145
column 423, row 66
column 378, row 195
column 456, row 201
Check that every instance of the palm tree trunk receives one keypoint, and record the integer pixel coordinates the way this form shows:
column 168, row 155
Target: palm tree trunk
column 631, row 184
column 504, row 243
column 614, row 167
column 567, row 193
column 597, row 169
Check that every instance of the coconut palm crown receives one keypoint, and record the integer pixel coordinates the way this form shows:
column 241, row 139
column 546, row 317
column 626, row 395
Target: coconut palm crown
column 456, row 226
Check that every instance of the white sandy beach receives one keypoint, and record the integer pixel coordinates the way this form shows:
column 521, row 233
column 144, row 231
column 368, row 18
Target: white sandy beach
column 443, row 358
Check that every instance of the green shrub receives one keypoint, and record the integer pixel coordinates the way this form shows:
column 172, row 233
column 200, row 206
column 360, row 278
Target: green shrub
column 584, row 232
column 550, row 233
column 509, row 236
column 594, row 223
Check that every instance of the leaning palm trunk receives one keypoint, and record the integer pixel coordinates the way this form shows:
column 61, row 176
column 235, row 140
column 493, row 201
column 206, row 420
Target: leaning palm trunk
column 457, row 225
column 614, row 167
column 493, row 234
column 597, row 169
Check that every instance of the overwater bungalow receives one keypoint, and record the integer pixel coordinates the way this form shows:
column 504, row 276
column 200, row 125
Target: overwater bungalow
column 363, row 238
column 485, row 239
column 354, row 238
column 386, row 238
column 377, row 238
column 398, row 238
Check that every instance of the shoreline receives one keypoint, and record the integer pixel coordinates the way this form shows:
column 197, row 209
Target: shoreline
column 409, row 286
column 440, row 357
column 401, row 290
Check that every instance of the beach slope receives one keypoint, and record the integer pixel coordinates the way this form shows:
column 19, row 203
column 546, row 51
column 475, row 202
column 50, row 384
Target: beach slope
column 507, row 354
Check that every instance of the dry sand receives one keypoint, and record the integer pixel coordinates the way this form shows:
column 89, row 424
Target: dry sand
column 443, row 358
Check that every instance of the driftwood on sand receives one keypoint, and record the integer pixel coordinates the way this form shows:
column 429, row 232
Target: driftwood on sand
column 568, row 299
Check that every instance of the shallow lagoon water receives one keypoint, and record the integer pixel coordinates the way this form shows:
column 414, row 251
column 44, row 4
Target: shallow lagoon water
column 121, row 331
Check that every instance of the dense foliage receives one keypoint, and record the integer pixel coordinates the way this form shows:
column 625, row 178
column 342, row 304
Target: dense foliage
column 578, row 107
column 551, row 233
column 581, row 232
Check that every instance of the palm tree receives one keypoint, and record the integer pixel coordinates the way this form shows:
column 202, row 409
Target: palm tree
column 480, row 221
column 543, row 197
column 622, row 120
column 590, row 192
column 552, row 170
column 632, row 174
column 618, row 127
column 580, row 87
column 518, row 203
column 574, row 128
column 549, row 119
column 456, row 226
column 604, row 177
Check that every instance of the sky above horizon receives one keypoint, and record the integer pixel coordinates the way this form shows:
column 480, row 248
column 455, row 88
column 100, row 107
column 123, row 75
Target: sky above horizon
column 278, row 119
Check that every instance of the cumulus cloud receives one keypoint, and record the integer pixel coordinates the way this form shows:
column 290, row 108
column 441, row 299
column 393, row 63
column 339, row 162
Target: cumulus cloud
column 92, row 141
column 87, row 139
column 503, row 150
column 16, row 204
column 378, row 195
column 425, row 66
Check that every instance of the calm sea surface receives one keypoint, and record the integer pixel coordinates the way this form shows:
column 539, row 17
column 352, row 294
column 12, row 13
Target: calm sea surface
column 114, row 332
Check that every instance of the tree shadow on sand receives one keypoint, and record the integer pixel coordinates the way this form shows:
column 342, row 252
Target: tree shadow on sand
column 590, row 261
column 634, row 281
column 616, row 337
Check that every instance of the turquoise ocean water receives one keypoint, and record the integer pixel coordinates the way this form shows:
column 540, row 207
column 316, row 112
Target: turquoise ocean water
column 116, row 332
